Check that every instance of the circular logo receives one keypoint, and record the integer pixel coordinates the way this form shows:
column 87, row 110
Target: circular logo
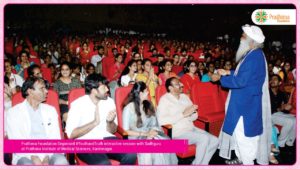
column 261, row 16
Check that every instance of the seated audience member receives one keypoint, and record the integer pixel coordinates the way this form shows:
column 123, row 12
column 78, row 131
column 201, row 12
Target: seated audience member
column 76, row 72
column 97, row 122
column 148, row 76
column 165, row 71
column 190, row 77
column 114, row 74
column 47, row 61
column 178, row 110
column 96, row 59
column 201, row 70
column 31, row 120
column 139, row 66
column 34, row 71
column 85, row 54
column 288, row 81
column 281, row 113
column 160, row 58
column 140, row 122
column 129, row 73
column 90, row 69
column 24, row 63
column 176, row 60
column 15, row 80
column 63, row 86
column 227, row 65
column 211, row 70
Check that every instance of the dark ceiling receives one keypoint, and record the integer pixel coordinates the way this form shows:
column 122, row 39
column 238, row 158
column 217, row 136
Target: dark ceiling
column 190, row 20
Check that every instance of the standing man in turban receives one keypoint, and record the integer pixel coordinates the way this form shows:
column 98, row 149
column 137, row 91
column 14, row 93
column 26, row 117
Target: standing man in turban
column 247, row 124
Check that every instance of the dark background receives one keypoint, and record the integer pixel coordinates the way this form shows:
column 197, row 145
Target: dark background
column 188, row 21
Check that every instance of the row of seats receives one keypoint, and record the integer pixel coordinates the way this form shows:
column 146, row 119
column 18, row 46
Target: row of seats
column 209, row 98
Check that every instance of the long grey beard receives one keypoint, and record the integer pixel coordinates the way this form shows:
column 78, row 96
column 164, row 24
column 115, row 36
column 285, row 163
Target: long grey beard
column 242, row 50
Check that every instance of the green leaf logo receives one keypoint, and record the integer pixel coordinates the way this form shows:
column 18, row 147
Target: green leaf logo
column 261, row 16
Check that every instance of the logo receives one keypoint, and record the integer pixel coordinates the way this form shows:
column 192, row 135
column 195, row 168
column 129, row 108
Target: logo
column 261, row 16
column 274, row 17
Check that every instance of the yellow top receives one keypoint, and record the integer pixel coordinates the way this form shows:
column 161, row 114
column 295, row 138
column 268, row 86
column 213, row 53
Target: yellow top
column 152, row 84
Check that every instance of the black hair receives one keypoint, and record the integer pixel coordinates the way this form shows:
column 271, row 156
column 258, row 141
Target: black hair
column 146, row 60
column 126, row 70
column 169, row 83
column 279, row 78
column 285, row 74
column 31, row 68
column 162, row 64
column 89, row 65
column 134, row 97
column 24, row 51
column 67, row 64
column 75, row 65
column 6, row 80
column 100, row 47
column 92, row 82
column 160, row 55
column 117, row 55
column 29, row 83
column 187, row 65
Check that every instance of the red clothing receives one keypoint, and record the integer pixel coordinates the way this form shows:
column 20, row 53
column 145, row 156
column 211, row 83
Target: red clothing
column 163, row 78
column 85, row 57
column 188, row 82
column 293, row 102
column 112, row 71
column 9, row 46
column 106, row 64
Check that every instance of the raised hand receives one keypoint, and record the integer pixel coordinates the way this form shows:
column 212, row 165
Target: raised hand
column 215, row 77
column 111, row 116
column 223, row 72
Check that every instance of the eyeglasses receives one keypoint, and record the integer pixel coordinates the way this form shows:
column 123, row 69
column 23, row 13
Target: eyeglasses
column 177, row 85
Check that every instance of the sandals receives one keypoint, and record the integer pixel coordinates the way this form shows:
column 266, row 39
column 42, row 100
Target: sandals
column 273, row 160
column 235, row 161
column 275, row 151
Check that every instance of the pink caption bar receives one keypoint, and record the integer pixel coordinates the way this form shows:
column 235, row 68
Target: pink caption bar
column 95, row 146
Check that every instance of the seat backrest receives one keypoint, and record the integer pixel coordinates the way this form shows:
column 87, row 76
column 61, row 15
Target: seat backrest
column 37, row 61
column 52, row 99
column 159, row 91
column 155, row 69
column 206, row 96
column 177, row 69
column 121, row 94
column 75, row 94
column 47, row 74
column 107, row 62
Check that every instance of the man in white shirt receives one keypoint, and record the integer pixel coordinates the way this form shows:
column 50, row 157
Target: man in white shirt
column 31, row 120
column 93, row 116
column 177, row 109
column 97, row 59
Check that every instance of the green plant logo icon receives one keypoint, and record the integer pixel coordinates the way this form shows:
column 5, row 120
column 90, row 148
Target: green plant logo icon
column 261, row 16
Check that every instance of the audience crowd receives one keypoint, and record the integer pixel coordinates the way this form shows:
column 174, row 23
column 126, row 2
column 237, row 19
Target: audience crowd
column 69, row 62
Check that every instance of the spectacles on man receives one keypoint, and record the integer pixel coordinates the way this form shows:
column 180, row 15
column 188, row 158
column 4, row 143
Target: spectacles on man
column 178, row 85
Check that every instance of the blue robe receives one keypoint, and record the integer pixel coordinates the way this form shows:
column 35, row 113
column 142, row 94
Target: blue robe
column 246, row 94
